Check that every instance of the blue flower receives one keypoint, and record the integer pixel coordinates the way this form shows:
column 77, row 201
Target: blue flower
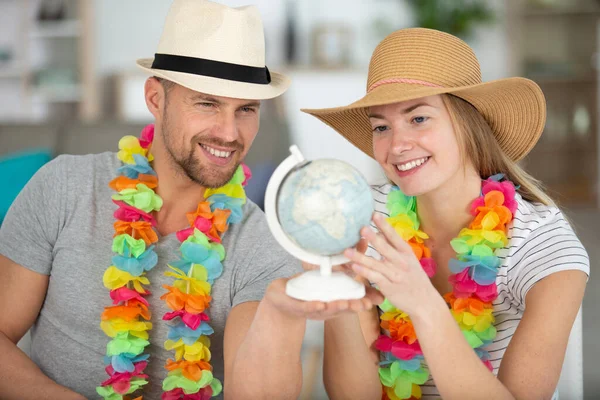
column 141, row 166
column 227, row 203
column 124, row 361
column 136, row 266
column 482, row 269
column 187, row 334
column 193, row 253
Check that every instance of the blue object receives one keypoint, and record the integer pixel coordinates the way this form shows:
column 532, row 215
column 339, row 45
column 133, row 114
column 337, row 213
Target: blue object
column 16, row 170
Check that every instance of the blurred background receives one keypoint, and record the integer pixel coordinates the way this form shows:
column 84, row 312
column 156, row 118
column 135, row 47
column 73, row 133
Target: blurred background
column 69, row 84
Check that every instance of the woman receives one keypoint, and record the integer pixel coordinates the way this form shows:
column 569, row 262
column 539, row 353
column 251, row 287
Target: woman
column 460, row 210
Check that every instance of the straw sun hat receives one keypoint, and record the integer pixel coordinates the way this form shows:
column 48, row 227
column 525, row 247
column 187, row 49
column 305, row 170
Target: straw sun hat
column 215, row 49
column 417, row 62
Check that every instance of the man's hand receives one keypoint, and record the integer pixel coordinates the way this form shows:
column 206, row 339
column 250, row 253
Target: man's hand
column 318, row 310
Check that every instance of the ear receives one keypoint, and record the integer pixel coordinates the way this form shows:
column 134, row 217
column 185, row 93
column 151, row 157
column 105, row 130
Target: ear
column 154, row 94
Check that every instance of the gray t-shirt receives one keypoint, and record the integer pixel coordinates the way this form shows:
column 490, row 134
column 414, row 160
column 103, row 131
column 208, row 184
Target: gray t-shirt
column 61, row 225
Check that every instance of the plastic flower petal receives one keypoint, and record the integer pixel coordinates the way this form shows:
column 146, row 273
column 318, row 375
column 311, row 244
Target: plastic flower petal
column 193, row 321
column 136, row 266
column 401, row 350
column 125, row 212
column 137, row 229
column 189, row 336
column 140, row 166
column 114, row 278
column 142, row 197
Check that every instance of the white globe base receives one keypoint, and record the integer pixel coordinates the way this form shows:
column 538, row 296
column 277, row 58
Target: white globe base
column 313, row 286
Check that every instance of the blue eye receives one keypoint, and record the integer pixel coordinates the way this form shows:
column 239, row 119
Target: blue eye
column 419, row 120
column 380, row 129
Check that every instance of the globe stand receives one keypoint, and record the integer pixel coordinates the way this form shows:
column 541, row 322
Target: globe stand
column 323, row 285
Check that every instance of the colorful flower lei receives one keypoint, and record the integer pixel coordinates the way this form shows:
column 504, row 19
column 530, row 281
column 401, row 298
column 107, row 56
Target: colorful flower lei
column 127, row 321
column 473, row 280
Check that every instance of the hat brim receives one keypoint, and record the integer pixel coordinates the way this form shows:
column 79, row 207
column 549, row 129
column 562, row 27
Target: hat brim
column 221, row 87
column 515, row 109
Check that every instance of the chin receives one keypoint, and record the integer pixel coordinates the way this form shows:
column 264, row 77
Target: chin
column 414, row 185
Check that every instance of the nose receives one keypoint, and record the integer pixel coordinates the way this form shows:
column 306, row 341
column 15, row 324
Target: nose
column 401, row 142
column 226, row 128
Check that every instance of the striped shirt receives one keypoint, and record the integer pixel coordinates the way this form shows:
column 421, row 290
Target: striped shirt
column 540, row 242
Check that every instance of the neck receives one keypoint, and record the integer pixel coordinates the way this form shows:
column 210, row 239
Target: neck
column 179, row 193
column 446, row 210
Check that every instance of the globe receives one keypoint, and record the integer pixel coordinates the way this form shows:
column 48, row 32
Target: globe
column 322, row 205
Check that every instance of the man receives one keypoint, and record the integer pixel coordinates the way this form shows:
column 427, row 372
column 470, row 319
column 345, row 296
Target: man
column 208, row 78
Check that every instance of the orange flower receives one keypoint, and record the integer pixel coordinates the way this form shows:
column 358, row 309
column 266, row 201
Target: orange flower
column 203, row 211
column 494, row 215
column 137, row 230
column 470, row 304
column 419, row 249
column 400, row 329
column 123, row 182
column 129, row 312
column 177, row 300
column 220, row 219
column 190, row 369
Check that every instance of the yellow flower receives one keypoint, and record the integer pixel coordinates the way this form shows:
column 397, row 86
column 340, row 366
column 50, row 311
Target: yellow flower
column 114, row 278
column 128, row 146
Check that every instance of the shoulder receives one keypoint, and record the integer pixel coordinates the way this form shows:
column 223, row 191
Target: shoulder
column 537, row 227
column 541, row 242
column 89, row 163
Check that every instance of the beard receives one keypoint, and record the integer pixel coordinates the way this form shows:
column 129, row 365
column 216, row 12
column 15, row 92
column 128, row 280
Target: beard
column 188, row 163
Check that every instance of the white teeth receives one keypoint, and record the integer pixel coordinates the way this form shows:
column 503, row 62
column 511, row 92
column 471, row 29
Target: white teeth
column 412, row 164
column 218, row 153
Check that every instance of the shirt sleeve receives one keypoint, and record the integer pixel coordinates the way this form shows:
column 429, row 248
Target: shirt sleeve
column 35, row 219
column 549, row 248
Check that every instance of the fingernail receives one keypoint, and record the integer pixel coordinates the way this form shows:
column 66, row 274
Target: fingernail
column 349, row 252
column 357, row 267
column 377, row 217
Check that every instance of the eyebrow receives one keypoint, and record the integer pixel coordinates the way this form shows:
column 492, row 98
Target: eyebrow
column 405, row 111
column 210, row 99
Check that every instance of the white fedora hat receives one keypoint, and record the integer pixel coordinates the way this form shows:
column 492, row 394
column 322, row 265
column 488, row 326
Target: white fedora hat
column 215, row 49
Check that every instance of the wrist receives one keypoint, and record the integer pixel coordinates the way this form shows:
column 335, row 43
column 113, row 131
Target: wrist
column 275, row 309
column 430, row 310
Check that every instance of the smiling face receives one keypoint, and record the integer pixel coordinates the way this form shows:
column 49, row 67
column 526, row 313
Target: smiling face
column 415, row 143
column 206, row 136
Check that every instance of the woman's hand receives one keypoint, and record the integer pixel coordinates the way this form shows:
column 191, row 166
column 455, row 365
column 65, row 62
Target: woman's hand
column 398, row 275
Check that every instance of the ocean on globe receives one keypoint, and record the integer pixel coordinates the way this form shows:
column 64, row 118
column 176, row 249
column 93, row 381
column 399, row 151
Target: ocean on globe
column 322, row 206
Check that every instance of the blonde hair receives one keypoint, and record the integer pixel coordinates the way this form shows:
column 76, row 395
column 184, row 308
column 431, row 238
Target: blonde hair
column 478, row 145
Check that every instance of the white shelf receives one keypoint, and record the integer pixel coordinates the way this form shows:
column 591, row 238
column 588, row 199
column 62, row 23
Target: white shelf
column 66, row 28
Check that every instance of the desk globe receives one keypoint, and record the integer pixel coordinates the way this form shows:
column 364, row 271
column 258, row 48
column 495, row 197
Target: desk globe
column 315, row 210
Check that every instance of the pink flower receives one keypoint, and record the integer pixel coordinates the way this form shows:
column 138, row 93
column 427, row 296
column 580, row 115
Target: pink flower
column 121, row 381
column 247, row 174
column 428, row 266
column 191, row 320
column 464, row 286
column 506, row 188
column 488, row 364
column 147, row 136
column 399, row 349
column 203, row 225
column 124, row 294
column 127, row 213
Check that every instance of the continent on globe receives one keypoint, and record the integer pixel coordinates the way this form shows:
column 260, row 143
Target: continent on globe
column 323, row 204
